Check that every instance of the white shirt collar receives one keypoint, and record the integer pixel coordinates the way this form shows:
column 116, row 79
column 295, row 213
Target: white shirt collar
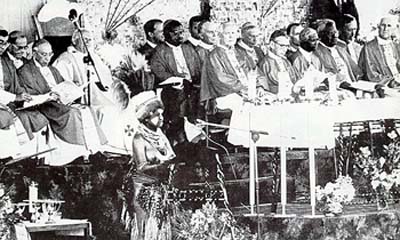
column 194, row 41
column 153, row 45
column 12, row 56
column 206, row 45
column 330, row 48
column 382, row 41
column 306, row 54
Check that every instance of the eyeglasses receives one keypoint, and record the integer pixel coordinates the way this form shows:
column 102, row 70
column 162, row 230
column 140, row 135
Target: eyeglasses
column 42, row 54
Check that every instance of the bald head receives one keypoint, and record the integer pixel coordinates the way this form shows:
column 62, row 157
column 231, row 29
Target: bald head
column 387, row 26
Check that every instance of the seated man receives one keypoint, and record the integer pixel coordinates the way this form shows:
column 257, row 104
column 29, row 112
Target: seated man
column 177, row 60
column 306, row 64
column 208, row 32
column 380, row 58
column 223, row 76
column 153, row 29
column 293, row 31
column 73, row 67
column 334, row 59
column 37, row 78
column 348, row 35
column 17, row 51
column 246, row 47
column 276, row 68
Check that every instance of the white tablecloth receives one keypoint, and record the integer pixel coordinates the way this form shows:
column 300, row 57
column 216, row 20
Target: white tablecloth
column 305, row 124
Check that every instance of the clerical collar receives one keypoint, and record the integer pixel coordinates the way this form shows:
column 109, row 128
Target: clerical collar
column 226, row 48
column 382, row 41
column 172, row 46
column 194, row 41
column 307, row 55
column 151, row 44
column 330, row 48
column 245, row 46
column 206, row 45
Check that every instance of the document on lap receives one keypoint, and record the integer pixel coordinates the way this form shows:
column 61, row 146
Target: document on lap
column 67, row 92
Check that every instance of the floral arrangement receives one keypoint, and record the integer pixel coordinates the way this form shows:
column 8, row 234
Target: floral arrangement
column 208, row 223
column 8, row 217
column 379, row 175
column 334, row 195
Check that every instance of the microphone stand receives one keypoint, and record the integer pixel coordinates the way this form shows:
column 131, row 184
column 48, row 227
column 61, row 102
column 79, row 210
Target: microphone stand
column 87, row 60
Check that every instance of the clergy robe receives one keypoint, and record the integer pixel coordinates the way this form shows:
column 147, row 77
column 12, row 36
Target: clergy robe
column 178, row 103
column 328, row 62
column 269, row 68
column 72, row 68
column 353, row 48
column 65, row 121
column 219, row 78
column 373, row 62
column 244, row 56
column 10, row 85
column 301, row 64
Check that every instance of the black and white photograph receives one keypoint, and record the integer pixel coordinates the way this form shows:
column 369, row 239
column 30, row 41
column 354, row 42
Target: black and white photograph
column 199, row 120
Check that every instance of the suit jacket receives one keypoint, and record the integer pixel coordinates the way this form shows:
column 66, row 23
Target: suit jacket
column 356, row 47
column 325, row 56
column 146, row 50
column 163, row 63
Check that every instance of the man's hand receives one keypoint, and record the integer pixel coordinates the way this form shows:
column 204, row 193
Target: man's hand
column 23, row 97
column 54, row 96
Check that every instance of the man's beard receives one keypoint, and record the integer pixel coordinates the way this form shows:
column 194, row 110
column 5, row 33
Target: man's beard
column 307, row 46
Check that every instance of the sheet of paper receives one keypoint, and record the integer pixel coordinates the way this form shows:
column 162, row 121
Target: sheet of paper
column 364, row 85
column 36, row 100
column 172, row 80
column 68, row 92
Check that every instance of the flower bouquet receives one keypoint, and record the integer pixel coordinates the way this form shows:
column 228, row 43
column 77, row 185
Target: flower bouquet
column 208, row 223
column 330, row 199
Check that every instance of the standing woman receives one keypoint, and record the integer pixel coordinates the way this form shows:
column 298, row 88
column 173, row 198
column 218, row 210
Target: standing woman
column 148, row 169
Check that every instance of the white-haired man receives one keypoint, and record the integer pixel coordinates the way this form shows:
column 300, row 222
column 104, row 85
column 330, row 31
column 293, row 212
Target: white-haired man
column 380, row 58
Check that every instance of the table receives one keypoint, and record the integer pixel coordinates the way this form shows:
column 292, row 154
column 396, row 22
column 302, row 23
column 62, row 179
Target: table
column 75, row 227
column 304, row 125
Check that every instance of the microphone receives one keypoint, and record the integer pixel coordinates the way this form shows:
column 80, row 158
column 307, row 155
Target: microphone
column 73, row 15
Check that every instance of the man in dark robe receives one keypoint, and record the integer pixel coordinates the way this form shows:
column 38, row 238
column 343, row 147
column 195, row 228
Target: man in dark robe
column 209, row 38
column 17, row 50
column 222, row 72
column 246, row 47
column 293, row 31
column 334, row 59
column 380, row 58
column 37, row 78
column 180, row 61
column 194, row 38
column 153, row 29
column 276, row 68
column 11, row 93
column 347, row 37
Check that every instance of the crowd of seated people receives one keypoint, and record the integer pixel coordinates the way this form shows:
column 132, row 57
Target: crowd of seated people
column 202, row 75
